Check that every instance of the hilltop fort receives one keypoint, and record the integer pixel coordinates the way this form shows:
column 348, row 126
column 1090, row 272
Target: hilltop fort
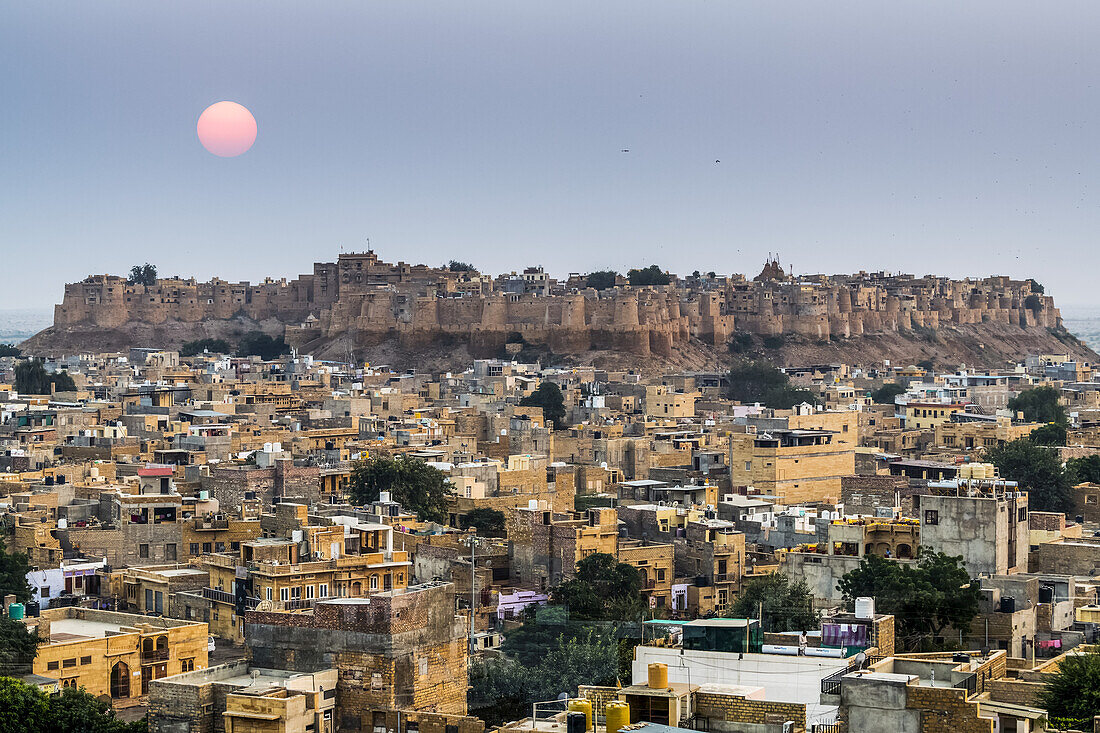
column 362, row 304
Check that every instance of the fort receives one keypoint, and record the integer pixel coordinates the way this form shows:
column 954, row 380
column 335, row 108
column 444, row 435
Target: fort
column 363, row 301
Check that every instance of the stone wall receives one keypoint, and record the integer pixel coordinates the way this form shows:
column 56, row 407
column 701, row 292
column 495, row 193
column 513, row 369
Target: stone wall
column 384, row 302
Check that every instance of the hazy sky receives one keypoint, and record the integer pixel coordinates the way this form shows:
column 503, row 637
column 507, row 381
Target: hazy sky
column 945, row 137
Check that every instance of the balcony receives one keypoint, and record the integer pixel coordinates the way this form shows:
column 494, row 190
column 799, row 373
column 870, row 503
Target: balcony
column 153, row 656
column 223, row 596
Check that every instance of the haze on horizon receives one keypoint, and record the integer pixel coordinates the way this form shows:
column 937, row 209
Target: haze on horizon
column 936, row 137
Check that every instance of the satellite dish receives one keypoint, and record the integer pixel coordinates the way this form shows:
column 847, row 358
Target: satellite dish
column 563, row 696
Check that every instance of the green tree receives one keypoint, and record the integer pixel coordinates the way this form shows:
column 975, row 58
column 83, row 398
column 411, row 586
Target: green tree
column 1036, row 286
column 1071, row 695
column 651, row 275
column 23, row 708
column 10, row 350
column 14, row 567
column 885, row 394
column 760, row 381
column 780, row 604
column 457, row 266
column 602, row 279
column 489, row 522
column 1082, row 470
column 414, row 484
column 603, row 589
column 214, row 346
column 31, row 377
column 548, row 396
column 258, row 343
column 502, row 689
column 1038, row 470
column 143, row 275
column 26, row 709
column 1039, row 405
column 925, row 600
column 927, row 365
column 18, row 647
column 1049, row 434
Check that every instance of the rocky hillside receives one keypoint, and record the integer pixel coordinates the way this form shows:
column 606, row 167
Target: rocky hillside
column 979, row 345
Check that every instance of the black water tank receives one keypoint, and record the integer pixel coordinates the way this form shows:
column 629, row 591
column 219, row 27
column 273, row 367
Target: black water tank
column 1008, row 605
column 576, row 722
column 960, row 657
column 1046, row 594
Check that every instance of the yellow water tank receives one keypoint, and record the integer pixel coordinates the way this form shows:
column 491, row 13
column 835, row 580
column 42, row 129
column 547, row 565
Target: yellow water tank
column 581, row 705
column 658, row 676
column 965, row 470
column 617, row 713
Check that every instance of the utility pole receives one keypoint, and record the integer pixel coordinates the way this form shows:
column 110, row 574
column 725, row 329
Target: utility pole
column 473, row 590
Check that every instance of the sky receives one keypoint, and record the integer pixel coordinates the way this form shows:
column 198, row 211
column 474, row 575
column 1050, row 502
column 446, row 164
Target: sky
column 922, row 137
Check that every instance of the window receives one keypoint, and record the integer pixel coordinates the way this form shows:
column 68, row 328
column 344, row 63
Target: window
column 194, row 548
column 85, row 660
column 207, row 547
column 70, row 682
column 423, row 666
column 322, row 590
column 284, row 594
column 44, row 591
column 187, row 665
column 268, row 593
column 931, row 517
column 69, row 662
column 143, row 551
column 374, row 582
column 170, row 551
column 1089, row 499
column 309, row 591
column 53, row 665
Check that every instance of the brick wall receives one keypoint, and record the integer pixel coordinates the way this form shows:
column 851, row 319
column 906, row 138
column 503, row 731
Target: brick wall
column 739, row 709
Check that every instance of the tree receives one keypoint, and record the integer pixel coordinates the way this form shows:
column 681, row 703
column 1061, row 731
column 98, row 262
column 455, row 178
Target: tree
column 651, row 275
column 1071, row 695
column 760, row 381
column 412, row 483
column 927, row 365
column 1039, row 405
column 1082, row 470
column 31, row 377
column 602, row 279
column 23, row 708
column 489, row 522
column 1038, row 470
column 10, row 350
column 1049, row 434
column 26, row 709
column 214, row 346
column 885, row 394
column 925, row 600
column 258, row 343
column 1036, row 286
column 143, row 275
column 14, row 567
column 503, row 688
column 781, row 604
column 604, row 589
column 548, row 396
column 18, row 647
column 457, row 266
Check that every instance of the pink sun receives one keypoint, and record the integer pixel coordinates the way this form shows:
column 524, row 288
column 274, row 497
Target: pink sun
column 226, row 129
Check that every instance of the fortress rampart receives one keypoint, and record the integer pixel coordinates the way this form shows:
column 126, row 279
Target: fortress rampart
column 372, row 301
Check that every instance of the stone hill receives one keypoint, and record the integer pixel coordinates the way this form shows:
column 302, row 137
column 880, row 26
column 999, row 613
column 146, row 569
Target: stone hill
column 409, row 315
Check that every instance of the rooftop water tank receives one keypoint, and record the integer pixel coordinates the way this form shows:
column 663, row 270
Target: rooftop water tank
column 865, row 607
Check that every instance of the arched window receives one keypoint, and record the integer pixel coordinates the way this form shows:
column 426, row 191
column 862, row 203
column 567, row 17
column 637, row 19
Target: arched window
column 120, row 681
column 357, row 588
